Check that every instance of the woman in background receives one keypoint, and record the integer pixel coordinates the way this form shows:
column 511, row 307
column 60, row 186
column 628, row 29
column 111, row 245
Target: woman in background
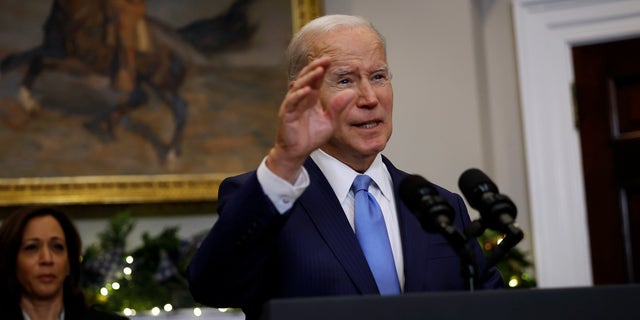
column 40, row 269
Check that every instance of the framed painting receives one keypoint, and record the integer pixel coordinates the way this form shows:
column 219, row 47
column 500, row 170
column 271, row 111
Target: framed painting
column 116, row 101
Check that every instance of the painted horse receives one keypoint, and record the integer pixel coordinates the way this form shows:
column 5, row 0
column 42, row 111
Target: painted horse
column 117, row 40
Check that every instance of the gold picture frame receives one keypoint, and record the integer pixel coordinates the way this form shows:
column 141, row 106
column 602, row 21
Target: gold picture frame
column 129, row 189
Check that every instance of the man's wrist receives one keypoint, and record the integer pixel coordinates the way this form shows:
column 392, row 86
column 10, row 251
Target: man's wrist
column 281, row 192
column 284, row 167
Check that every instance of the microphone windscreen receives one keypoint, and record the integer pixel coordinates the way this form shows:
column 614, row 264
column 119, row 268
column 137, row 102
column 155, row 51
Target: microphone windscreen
column 412, row 189
column 473, row 183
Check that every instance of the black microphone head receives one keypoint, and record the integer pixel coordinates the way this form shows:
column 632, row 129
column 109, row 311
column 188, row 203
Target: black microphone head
column 474, row 183
column 497, row 210
column 421, row 197
column 413, row 188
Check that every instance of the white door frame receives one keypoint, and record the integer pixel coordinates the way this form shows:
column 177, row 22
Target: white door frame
column 545, row 31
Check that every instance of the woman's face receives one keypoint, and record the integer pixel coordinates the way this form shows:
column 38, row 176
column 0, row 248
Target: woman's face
column 42, row 263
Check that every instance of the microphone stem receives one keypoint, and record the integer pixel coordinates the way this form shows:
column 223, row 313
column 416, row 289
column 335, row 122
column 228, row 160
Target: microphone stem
column 458, row 241
column 511, row 239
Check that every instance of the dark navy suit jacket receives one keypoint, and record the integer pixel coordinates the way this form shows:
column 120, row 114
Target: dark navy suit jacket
column 253, row 253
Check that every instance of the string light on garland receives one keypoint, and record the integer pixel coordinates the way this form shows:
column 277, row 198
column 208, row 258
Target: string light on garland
column 129, row 312
column 513, row 282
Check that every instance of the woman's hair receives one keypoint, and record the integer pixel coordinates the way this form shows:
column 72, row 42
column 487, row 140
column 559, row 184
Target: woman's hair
column 11, row 233
column 301, row 44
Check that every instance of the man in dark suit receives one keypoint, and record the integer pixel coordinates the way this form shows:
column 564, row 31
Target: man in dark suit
column 287, row 229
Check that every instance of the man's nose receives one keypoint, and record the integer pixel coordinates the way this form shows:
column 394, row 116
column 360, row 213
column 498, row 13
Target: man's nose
column 367, row 97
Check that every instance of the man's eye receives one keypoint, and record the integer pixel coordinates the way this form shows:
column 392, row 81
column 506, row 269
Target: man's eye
column 380, row 77
column 344, row 81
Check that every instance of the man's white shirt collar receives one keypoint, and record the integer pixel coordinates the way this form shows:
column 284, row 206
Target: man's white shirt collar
column 341, row 176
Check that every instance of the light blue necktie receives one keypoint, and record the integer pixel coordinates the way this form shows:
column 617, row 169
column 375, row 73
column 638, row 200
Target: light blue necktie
column 372, row 235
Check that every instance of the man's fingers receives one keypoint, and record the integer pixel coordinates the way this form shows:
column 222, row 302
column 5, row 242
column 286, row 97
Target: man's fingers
column 311, row 78
column 311, row 73
column 295, row 98
column 301, row 96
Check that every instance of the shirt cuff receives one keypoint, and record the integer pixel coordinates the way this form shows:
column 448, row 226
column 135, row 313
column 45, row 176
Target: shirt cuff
column 281, row 193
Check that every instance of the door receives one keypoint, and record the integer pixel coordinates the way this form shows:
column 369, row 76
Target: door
column 607, row 83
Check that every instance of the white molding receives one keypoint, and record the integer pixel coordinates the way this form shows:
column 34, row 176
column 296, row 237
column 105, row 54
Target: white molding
column 545, row 32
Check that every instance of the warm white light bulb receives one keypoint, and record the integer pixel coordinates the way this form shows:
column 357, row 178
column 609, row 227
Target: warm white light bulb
column 129, row 259
column 168, row 307
column 104, row 291
column 127, row 270
column 197, row 312
column 115, row 286
column 155, row 311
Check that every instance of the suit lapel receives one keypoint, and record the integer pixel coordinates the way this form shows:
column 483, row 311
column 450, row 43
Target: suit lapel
column 333, row 226
column 414, row 247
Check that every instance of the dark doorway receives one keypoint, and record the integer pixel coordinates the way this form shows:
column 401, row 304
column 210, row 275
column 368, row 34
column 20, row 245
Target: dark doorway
column 608, row 108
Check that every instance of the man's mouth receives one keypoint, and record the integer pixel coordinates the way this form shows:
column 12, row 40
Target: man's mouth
column 368, row 125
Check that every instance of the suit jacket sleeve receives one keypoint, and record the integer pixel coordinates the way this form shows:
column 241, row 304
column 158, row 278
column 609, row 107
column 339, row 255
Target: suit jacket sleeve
column 227, row 269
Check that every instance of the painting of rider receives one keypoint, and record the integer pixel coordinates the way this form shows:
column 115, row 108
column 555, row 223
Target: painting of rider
column 135, row 87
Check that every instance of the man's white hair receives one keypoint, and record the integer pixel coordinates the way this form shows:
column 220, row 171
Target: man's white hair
column 299, row 48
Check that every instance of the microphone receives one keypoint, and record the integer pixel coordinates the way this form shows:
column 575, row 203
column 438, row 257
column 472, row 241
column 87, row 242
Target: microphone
column 432, row 210
column 436, row 215
column 497, row 211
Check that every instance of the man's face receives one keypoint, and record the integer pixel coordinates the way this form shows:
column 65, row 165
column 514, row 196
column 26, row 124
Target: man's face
column 358, row 64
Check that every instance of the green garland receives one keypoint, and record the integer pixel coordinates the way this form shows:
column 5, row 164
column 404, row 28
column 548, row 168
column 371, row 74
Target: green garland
column 151, row 276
